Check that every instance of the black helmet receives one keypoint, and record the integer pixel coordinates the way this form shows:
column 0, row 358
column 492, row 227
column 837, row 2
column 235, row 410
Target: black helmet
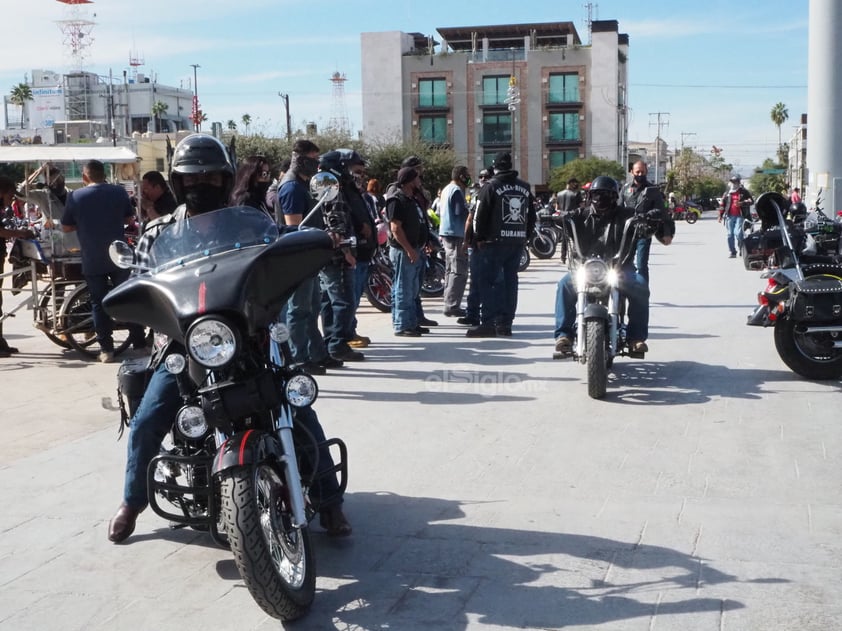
column 603, row 193
column 797, row 211
column 200, row 154
column 339, row 161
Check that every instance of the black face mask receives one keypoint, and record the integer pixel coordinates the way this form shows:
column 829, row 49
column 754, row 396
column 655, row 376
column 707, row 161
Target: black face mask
column 639, row 179
column 260, row 189
column 202, row 198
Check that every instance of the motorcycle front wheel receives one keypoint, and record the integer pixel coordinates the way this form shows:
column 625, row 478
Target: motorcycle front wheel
column 525, row 259
column 275, row 560
column 543, row 244
column 378, row 289
column 596, row 359
column 811, row 355
column 433, row 284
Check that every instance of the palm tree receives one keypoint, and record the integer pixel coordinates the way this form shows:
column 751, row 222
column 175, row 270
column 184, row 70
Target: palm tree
column 21, row 93
column 779, row 116
column 232, row 126
column 159, row 108
column 246, row 122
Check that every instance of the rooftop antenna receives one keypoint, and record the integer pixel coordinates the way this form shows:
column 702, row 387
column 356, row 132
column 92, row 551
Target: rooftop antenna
column 591, row 7
column 76, row 28
column 339, row 114
column 135, row 61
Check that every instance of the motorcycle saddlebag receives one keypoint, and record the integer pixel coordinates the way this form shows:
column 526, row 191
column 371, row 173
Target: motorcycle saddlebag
column 816, row 299
column 759, row 246
column 132, row 379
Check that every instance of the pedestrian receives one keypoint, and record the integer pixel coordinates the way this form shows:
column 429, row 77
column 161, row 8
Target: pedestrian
column 795, row 196
column 472, row 304
column 98, row 213
column 454, row 212
column 734, row 211
column 156, row 198
column 642, row 195
column 252, row 183
column 570, row 198
column 504, row 218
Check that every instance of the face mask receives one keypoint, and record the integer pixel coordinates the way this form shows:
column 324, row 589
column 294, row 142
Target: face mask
column 261, row 188
column 639, row 179
column 359, row 181
column 204, row 197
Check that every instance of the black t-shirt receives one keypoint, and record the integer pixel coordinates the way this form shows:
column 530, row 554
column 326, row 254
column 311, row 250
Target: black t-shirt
column 406, row 211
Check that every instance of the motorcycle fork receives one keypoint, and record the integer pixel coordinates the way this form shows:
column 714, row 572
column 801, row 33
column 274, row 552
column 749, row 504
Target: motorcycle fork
column 290, row 465
column 613, row 320
column 581, row 303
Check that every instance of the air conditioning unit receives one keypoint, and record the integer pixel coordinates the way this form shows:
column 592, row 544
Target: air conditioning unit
column 449, row 84
column 544, row 80
column 544, row 118
column 414, row 86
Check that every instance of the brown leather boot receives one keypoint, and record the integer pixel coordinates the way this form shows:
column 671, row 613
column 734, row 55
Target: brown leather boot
column 123, row 523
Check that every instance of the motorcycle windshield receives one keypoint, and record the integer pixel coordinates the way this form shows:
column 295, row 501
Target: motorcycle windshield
column 211, row 234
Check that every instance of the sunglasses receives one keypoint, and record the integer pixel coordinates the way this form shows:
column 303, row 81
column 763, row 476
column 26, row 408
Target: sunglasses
column 265, row 173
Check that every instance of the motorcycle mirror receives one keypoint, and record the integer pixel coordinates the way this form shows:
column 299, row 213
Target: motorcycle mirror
column 324, row 187
column 122, row 254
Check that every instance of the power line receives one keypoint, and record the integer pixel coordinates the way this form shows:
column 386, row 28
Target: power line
column 724, row 87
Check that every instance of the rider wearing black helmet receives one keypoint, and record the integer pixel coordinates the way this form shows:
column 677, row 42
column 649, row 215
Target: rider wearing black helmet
column 599, row 227
column 202, row 175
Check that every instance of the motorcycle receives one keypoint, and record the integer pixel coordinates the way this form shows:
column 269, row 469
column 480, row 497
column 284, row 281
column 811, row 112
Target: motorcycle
column 689, row 212
column 238, row 461
column 544, row 239
column 600, row 307
column 802, row 299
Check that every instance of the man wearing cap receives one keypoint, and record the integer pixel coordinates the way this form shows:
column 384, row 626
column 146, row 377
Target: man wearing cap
column 734, row 211
column 504, row 218
column 409, row 234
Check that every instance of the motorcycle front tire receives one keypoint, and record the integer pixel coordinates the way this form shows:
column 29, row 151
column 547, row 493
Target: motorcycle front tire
column 525, row 259
column 805, row 354
column 275, row 560
column 596, row 358
column 692, row 218
column 543, row 244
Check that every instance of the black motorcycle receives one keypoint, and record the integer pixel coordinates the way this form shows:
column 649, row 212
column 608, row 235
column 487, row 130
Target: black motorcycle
column 803, row 295
column 238, row 461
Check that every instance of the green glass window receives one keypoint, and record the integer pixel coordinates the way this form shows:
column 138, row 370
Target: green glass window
column 494, row 90
column 433, row 129
column 432, row 93
column 560, row 158
column 564, row 88
column 564, row 126
column 497, row 128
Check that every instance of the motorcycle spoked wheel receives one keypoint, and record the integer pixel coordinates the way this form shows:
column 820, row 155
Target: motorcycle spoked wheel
column 543, row 245
column 810, row 355
column 596, row 359
column 433, row 283
column 378, row 289
column 275, row 560
column 76, row 322
column 691, row 217
column 525, row 259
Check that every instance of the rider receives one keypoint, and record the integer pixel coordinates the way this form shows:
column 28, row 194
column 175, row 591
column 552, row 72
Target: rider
column 599, row 227
column 201, row 176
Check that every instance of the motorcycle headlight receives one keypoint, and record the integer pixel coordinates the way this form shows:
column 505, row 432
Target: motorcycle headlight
column 211, row 342
column 175, row 363
column 279, row 332
column 190, row 422
column 301, row 390
column 595, row 272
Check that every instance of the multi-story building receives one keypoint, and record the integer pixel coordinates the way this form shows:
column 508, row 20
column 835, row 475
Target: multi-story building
column 572, row 96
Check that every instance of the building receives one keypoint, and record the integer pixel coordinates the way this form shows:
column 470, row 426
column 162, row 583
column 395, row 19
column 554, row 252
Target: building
column 797, row 174
column 84, row 106
column 656, row 154
column 572, row 96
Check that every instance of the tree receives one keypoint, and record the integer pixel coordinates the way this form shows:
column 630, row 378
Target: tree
column 246, row 122
column 771, row 176
column 779, row 115
column 21, row 93
column 585, row 170
column 159, row 108
column 232, row 126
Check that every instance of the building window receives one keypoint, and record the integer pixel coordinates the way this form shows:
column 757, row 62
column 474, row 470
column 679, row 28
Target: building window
column 497, row 128
column 433, row 129
column 488, row 159
column 495, row 90
column 432, row 93
column 564, row 88
column 560, row 158
column 564, row 127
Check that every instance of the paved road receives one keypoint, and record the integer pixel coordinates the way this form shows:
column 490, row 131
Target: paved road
column 487, row 490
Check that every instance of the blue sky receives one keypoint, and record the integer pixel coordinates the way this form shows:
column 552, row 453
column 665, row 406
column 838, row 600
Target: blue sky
column 717, row 67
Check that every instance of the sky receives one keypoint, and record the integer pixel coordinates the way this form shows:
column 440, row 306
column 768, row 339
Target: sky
column 714, row 69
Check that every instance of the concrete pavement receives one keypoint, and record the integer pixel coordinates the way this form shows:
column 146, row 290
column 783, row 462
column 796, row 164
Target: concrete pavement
column 487, row 491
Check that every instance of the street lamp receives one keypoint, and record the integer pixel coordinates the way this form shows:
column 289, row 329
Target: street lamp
column 197, row 121
column 512, row 100
column 285, row 98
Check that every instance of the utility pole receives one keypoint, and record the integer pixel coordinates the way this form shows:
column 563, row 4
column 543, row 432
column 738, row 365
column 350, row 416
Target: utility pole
column 197, row 122
column 285, row 98
column 660, row 123
column 683, row 134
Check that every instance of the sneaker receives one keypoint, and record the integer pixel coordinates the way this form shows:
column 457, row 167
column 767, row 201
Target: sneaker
column 483, row 330
column 733, row 255
column 468, row 321
column 106, row 357
column 454, row 313
column 331, row 362
column 422, row 329
column 564, row 345
column 349, row 356
column 427, row 322
column 408, row 333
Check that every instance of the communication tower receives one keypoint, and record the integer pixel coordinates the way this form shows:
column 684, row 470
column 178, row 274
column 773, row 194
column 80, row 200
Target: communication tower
column 76, row 28
column 338, row 113
column 135, row 61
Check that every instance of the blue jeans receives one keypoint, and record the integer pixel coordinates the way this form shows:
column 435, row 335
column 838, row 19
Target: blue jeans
column 632, row 286
column 498, row 282
column 734, row 228
column 406, row 289
column 641, row 257
column 98, row 285
column 302, row 318
column 472, row 304
column 337, row 281
column 361, row 270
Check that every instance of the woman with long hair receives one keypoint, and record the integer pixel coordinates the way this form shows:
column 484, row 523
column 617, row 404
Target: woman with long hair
column 254, row 176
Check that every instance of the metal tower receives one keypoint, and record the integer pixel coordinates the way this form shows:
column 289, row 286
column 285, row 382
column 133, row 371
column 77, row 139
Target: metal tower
column 76, row 28
column 338, row 113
